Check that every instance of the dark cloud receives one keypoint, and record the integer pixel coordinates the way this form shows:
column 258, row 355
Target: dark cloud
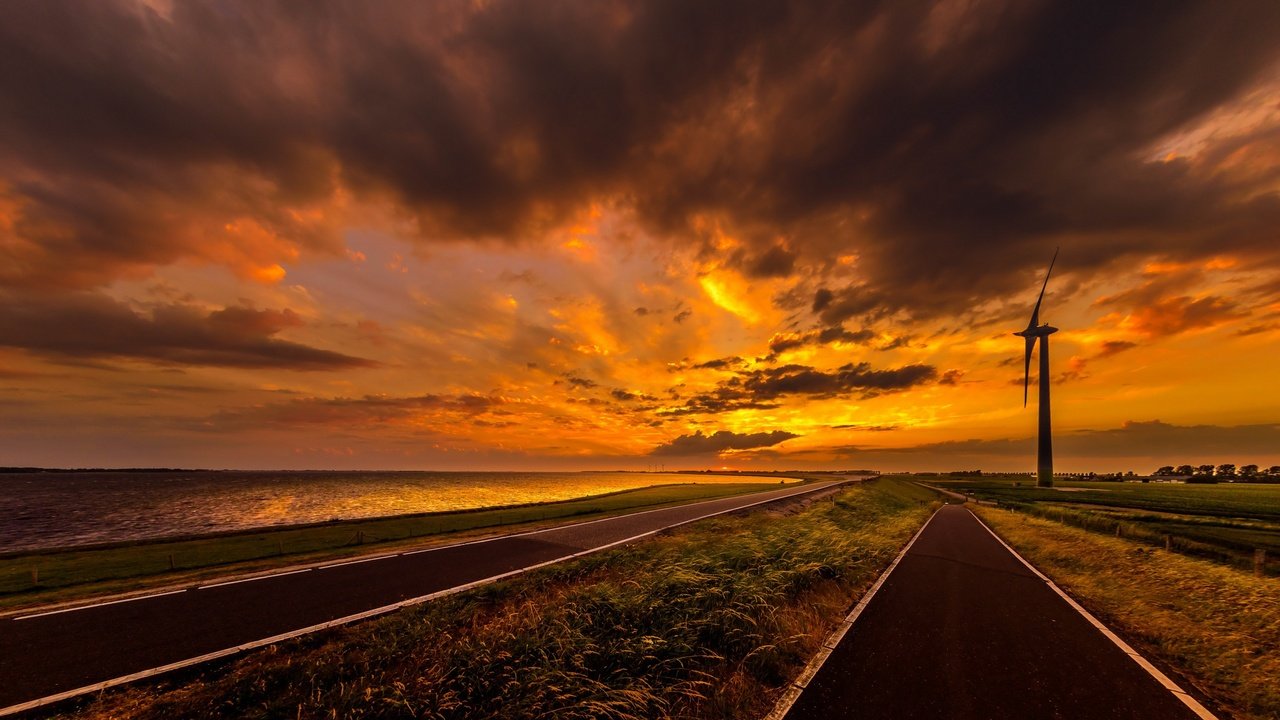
column 723, row 363
column 1115, row 347
column 84, row 326
column 627, row 396
column 719, row 441
column 850, row 302
column 763, row 388
column 581, row 382
column 1134, row 439
column 858, row 378
column 821, row 299
column 948, row 149
column 783, row 342
column 777, row 261
column 839, row 334
column 367, row 411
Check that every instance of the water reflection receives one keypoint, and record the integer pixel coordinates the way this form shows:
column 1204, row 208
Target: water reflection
column 57, row 509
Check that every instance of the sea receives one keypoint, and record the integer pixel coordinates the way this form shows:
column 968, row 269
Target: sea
column 44, row 510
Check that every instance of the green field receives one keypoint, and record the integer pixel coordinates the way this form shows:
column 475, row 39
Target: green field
column 1227, row 522
column 44, row 577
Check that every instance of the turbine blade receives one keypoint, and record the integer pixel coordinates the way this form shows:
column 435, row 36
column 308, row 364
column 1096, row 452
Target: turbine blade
column 1035, row 314
column 1026, row 377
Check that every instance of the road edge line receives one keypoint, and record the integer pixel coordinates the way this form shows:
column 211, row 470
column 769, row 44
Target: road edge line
column 798, row 686
column 1165, row 681
column 374, row 612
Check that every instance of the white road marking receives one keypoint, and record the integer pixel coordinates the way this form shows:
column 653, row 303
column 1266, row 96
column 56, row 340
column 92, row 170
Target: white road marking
column 1142, row 662
column 113, row 602
column 793, row 692
column 234, row 582
column 152, row 672
column 356, row 562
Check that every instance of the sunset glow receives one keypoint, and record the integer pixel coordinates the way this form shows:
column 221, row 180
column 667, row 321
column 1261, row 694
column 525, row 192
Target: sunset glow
column 483, row 236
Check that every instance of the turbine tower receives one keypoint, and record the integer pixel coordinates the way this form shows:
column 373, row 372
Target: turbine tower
column 1036, row 331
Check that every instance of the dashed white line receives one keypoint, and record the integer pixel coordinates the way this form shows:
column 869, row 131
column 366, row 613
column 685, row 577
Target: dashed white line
column 113, row 602
column 236, row 582
column 355, row 562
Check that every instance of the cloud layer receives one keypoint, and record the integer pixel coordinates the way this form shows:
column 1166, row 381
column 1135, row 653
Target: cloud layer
column 591, row 229
column 86, row 326
column 720, row 441
column 947, row 144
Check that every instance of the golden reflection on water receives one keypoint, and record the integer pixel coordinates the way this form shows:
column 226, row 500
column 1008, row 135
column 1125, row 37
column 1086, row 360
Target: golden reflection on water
column 64, row 509
column 275, row 510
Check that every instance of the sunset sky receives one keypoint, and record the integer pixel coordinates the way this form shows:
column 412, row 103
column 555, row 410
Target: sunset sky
column 581, row 235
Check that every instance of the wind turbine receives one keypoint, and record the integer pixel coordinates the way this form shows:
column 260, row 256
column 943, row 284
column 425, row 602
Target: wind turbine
column 1036, row 331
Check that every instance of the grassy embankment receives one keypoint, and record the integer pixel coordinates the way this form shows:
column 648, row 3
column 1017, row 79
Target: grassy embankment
column 48, row 577
column 1217, row 624
column 708, row 621
column 1226, row 523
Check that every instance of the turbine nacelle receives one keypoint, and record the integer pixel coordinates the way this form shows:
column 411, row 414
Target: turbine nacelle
column 1039, row 331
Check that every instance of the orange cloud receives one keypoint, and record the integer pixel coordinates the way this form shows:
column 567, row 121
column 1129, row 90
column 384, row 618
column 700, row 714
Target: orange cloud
column 1175, row 315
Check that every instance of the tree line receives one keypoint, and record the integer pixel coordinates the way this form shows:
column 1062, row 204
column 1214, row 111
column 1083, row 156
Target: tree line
column 1225, row 471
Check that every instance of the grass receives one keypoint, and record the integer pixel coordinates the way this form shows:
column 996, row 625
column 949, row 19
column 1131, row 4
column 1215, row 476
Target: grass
column 1220, row 626
column 1225, row 523
column 42, row 577
column 707, row 621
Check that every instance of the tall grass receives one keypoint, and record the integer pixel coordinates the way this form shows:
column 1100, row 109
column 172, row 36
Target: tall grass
column 707, row 621
column 1213, row 539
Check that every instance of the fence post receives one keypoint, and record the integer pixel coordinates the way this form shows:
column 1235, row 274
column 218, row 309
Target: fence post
column 170, row 561
column 35, row 574
column 1168, row 542
column 1117, row 529
column 1259, row 561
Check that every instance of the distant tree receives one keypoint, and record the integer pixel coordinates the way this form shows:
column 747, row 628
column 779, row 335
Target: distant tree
column 1273, row 470
column 1204, row 470
column 1248, row 471
column 1226, row 470
column 1164, row 470
column 1184, row 470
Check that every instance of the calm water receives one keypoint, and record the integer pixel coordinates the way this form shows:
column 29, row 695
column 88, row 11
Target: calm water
column 43, row 510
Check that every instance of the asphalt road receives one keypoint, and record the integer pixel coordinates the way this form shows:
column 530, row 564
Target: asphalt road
column 962, row 629
column 50, row 654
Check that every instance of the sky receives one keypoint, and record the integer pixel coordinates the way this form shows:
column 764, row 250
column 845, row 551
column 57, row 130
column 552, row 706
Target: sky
column 498, row 235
